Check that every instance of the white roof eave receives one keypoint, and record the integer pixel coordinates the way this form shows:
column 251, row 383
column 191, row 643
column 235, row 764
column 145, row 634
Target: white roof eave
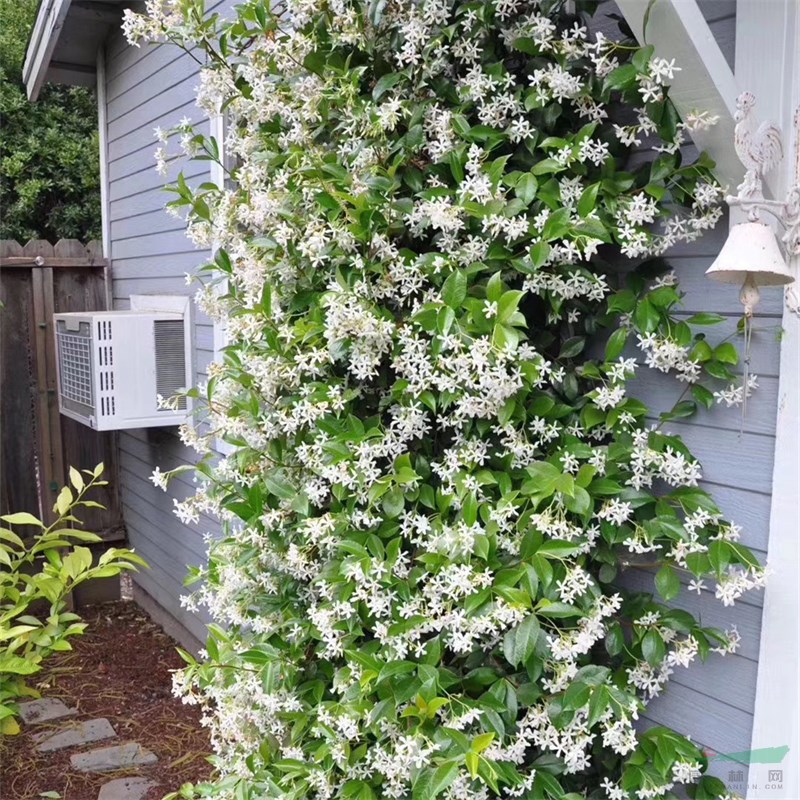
column 44, row 37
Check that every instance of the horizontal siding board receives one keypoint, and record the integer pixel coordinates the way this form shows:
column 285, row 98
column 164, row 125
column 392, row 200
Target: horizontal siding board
column 661, row 392
column 142, row 158
column 161, row 266
column 736, row 673
column 704, row 294
column 707, row 719
column 717, row 9
column 724, row 30
column 141, row 154
column 141, row 132
column 131, row 67
column 159, row 447
column 745, row 617
column 749, row 509
column 176, row 552
column 204, row 337
column 168, row 75
column 162, row 590
column 204, row 358
column 147, row 179
column 743, row 461
column 143, row 203
column 764, row 343
column 161, row 284
column 152, row 109
column 148, row 199
column 154, row 245
column 150, row 222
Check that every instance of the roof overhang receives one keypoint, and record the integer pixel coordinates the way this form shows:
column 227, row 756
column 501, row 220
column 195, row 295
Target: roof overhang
column 64, row 42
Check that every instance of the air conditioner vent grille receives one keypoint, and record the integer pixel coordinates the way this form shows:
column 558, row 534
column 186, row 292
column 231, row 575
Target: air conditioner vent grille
column 170, row 359
column 75, row 360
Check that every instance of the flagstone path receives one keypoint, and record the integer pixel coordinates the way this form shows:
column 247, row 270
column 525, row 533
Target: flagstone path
column 63, row 732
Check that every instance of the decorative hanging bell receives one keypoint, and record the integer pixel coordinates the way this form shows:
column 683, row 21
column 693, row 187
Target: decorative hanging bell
column 751, row 257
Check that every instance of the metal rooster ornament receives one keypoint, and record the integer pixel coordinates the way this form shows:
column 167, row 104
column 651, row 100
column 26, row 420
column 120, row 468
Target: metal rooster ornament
column 759, row 149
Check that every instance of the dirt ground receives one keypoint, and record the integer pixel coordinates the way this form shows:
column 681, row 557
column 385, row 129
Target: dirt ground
column 119, row 669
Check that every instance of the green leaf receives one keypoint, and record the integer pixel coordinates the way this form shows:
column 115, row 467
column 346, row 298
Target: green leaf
column 686, row 408
column 63, row 501
column 653, row 648
column 508, row 304
column 432, row 782
column 386, row 82
column 622, row 77
column 572, row 347
column 539, row 254
column 472, row 762
column 641, row 58
column 557, row 610
column 705, row 318
column 726, row 353
column 526, row 188
column 616, row 344
column 667, row 582
column 278, row 485
column 702, row 395
column 76, row 479
column 520, row 642
column 557, row 224
column 646, row 316
column 16, row 665
column 454, row 290
column 588, row 200
column 22, row 518
column 718, row 370
column 481, row 742
column 598, row 705
column 494, row 287
column 615, row 640
column 393, row 502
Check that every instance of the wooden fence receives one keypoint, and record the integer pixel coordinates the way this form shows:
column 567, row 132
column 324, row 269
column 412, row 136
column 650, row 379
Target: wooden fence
column 38, row 445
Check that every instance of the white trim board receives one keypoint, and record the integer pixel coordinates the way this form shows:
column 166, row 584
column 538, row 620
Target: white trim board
column 768, row 64
column 102, row 135
column 218, row 176
column 677, row 29
column 44, row 37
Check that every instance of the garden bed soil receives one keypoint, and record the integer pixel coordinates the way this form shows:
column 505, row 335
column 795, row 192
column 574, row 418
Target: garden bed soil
column 119, row 669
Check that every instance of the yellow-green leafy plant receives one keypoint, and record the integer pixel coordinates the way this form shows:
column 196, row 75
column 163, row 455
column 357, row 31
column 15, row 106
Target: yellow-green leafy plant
column 37, row 574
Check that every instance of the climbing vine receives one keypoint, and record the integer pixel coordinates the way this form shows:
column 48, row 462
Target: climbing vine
column 439, row 276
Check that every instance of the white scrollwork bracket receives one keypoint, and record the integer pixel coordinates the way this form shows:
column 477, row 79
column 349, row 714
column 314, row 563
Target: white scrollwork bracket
column 792, row 299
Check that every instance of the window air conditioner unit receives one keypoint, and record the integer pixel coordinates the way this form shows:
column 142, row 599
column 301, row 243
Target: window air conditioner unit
column 112, row 366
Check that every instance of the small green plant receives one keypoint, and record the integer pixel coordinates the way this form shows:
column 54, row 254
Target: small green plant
column 36, row 578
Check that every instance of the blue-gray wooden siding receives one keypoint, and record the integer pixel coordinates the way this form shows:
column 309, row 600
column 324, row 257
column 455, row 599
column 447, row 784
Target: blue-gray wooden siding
column 150, row 253
column 147, row 87
column 714, row 702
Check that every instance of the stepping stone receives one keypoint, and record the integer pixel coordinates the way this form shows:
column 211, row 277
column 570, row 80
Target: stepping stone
column 74, row 735
column 45, row 710
column 125, row 789
column 118, row 756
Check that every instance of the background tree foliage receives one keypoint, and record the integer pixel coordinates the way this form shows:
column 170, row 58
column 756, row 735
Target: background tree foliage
column 49, row 174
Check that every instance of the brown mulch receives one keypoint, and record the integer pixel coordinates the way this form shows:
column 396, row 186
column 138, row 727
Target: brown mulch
column 119, row 669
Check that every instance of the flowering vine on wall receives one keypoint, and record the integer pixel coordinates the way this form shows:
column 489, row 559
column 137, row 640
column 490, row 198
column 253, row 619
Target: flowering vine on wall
column 438, row 472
